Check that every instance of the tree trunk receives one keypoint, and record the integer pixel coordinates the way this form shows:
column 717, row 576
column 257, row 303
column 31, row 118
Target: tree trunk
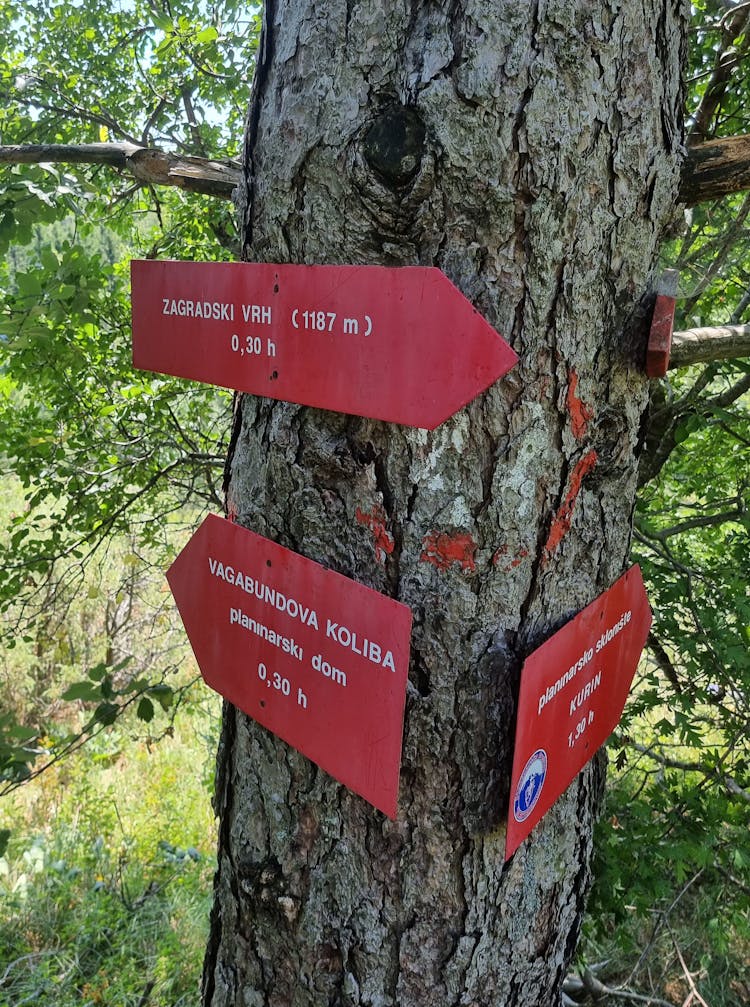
column 532, row 152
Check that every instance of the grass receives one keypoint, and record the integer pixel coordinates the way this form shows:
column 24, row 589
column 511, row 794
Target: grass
column 105, row 887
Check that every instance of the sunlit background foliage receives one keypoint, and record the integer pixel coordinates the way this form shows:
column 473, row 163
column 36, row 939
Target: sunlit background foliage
column 106, row 847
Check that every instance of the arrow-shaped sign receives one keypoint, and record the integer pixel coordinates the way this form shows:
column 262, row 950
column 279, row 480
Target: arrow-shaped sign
column 316, row 658
column 395, row 344
column 573, row 692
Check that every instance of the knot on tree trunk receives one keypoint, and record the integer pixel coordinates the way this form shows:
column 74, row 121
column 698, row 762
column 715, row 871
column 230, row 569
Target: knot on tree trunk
column 394, row 144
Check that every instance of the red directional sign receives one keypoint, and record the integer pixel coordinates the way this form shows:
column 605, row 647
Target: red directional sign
column 402, row 345
column 313, row 656
column 573, row 691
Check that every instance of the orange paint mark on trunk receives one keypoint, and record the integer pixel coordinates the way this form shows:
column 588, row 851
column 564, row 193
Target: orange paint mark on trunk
column 442, row 550
column 375, row 521
column 564, row 517
column 516, row 561
column 580, row 413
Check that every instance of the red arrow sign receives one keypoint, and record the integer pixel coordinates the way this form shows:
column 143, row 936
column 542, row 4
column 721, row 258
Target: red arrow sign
column 313, row 656
column 402, row 345
column 573, row 691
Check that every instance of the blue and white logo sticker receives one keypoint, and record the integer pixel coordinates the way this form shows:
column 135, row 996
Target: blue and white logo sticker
column 530, row 785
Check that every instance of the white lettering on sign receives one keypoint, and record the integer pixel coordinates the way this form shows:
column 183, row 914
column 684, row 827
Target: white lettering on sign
column 580, row 728
column 258, row 314
column 345, row 637
column 280, row 683
column 334, row 674
column 285, row 643
column 252, row 346
column 264, row 593
column 612, row 632
column 309, row 319
column 563, row 680
column 312, row 320
column 219, row 311
column 366, row 648
column 585, row 692
column 606, row 637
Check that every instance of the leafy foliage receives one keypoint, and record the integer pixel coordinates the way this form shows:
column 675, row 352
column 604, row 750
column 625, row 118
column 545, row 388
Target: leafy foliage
column 105, row 883
column 106, row 458
column 718, row 85
column 105, row 455
column 100, row 450
column 671, row 865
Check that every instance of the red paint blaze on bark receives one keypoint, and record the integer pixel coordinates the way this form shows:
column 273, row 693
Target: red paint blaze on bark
column 564, row 517
column 375, row 521
column 580, row 413
column 442, row 550
column 503, row 551
column 499, row 553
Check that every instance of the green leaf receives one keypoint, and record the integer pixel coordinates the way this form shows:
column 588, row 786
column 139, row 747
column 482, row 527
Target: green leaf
column 145, row 709
column 163, row 694
column 207, row 35
column 4, row 839
column 106, row 713
column 82, row 691
column 161, row 21
column 97, row 673
column 22, row 733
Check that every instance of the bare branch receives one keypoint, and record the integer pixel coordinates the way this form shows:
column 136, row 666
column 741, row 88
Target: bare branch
column 736, row 391
column 695, row 767
column 664, row 661
column 148, row 165
column 719, row 342
column 599, row 991
column 661, row 920
column 714, row 169
column 711, row 170
column 195, row 131
column 694, row 994
column 733, row 25
column 700, row 521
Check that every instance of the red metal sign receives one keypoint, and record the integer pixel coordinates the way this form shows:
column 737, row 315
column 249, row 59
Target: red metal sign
column 401, row 345
column 660, row 336
column 313, row 656
column 573, row 691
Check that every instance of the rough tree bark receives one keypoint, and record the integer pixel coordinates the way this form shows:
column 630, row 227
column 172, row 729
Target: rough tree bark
column 532, row 152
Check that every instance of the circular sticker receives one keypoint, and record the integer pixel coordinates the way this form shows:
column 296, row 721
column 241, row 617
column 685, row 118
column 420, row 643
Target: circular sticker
column 530, row 785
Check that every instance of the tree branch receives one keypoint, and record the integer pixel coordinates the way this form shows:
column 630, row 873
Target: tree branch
column 701, row 521
column 664, row 661
column 733, row 25
column 714, row 169
column 148, row 165
column 695, row 767
column 719, row 342
column 711, row 170
column 734, row 392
